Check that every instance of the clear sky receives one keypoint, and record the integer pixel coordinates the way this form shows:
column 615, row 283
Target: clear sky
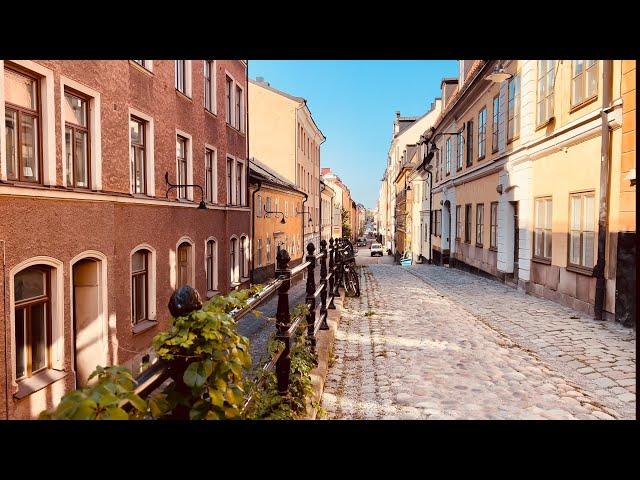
column 354, row 104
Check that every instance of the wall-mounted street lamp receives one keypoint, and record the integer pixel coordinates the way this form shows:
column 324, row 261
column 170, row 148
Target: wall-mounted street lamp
column 432, row 141
column 499, row 74
column 303, row 213
column 201, row 205
column 276, row 212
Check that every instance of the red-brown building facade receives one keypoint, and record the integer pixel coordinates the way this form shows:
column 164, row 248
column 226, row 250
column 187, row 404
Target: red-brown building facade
column 92, row 240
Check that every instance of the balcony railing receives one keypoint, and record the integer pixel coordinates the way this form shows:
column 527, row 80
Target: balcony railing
column 319, row 299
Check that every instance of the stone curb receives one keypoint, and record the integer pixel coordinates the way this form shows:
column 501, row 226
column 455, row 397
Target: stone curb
column 324, row 343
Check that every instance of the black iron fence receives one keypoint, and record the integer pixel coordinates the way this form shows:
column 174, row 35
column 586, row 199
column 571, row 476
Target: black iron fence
column 319, row 299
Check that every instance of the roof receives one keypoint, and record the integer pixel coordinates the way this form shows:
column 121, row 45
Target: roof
column 260, row 172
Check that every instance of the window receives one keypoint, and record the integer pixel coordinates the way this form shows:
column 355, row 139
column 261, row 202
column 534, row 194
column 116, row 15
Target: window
column 268, row 208
column 144, row 63
column 436, row 222
column 542, row 239
column 238, row 113
column 258, row 206
column 482, row 132
column 139, row 286
column 22, row 126
column 210, row 85
column 259, row 252
column 448, row 156
column 513, row 107
column 469, row 143
column 181, row 156
column 228, row 93
column 184, row 264
column 210, row 173
column 181, row 71
column 211, row 269
column 233, row 252
column 495, row 124
column 545, row 91
column 239, row 182
column 582, row 229
column 229, row 180
column 479, row 224
column 76, row 140
column 459, row 150
column 458, row 221
column 244, row 257
column 493, row 226
column 32, row 313
column 467, row 223
column 268, row 250
column 584, row 81
column 138, row 155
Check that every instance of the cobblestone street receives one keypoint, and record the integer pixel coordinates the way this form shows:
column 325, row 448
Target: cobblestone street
column 430, row 342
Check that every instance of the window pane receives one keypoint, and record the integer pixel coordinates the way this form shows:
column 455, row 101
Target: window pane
column 74, row 110
column 136, row 129
column 139, row 171
column 587, row 253
column 68, row 145
column 29, row 134
column 539, row 243
column 140, row 297
column 574, row 248
column 138, row 261
column 21, row 364
column 592, row 78
column 547, row 243
column 20, row 90
column 589, row 213
column 549, row 212
column 575, row 213
column 30, row 283
column 11, row 138
column 539, row 213
column 81, row 171
column 38, row 337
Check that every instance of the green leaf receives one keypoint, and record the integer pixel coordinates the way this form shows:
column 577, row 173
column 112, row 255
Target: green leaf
column 137, row 402
column 115, row 413
column 86, row 410
column 159, row 406
column 107, row 399
column 216, row 397
column 195, row 375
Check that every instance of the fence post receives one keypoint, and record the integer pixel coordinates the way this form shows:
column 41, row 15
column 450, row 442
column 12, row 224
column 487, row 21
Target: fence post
column 332, row 269
column 338, row 255
column 323, row 282
column 283, row 320
column 310, row 299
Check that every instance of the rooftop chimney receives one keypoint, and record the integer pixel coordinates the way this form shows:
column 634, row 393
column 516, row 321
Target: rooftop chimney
column 260, row 79
column 397, row 113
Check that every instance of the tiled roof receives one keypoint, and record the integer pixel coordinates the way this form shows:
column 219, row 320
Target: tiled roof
column 260, row 171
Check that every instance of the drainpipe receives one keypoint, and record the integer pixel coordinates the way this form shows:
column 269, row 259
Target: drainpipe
column 430, row 210
column 304, row 247
column 253, row 225
column 605, row 169
column 7, row 361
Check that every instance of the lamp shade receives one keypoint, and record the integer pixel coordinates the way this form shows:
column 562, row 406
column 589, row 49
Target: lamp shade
column 498, row 75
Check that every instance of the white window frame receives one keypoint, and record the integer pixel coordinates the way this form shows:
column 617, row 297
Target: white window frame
column 151, row 284
column 231, row 195
column 213, row 94
column 247, row 253
column 234, row 270
column 214, row 167
column 243, row 200
column 148, row 65
column 57, row 310
column 47, row 119
column 189, row 162
column 231, row 121
column 149, row 132
column 216, row 265
column 95, row 132
column 188, row 84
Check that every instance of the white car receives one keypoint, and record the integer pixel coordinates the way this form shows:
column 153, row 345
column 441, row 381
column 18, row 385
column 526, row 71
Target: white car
column 376, row 249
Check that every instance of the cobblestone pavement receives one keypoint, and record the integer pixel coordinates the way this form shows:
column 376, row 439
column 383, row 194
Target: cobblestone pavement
column 450, row 345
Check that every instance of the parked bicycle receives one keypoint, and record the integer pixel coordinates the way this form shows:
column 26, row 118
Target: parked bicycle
column 347, row 276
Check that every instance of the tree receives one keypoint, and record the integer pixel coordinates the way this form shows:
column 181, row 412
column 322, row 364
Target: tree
column 346, row 227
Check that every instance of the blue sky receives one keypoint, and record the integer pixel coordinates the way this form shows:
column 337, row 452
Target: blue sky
column 354, row 104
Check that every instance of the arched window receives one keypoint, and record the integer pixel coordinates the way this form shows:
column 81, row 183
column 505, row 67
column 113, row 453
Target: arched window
column 244, row 256
column 233, row 261
column 32, row 309
column 140, row 261
column 211, row 253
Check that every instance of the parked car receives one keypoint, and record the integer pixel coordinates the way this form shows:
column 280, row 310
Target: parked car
column 376, row 249
column 362, row 242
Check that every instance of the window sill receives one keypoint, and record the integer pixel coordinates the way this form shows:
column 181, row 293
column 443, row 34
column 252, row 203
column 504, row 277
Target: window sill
column 493, row 249
column 140, row 68
column 545, row 261
column 545, row 123
column 479, row 245
column 143, row 326
column 37, row 382
column 581, row 270
column 481, row 158
column 213, row 114
column 212, row 293
column 235, row 129
column 184, row 95
column 584, row 103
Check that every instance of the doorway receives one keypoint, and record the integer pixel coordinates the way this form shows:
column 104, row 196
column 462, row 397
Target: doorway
column 87, row 319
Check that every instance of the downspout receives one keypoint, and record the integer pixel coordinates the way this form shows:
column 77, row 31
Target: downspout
column 253, row 226
column 246, row 173
column 605, row 169
column 320, row 196
column 7, row 362
column 304, row 247
column 430, row 210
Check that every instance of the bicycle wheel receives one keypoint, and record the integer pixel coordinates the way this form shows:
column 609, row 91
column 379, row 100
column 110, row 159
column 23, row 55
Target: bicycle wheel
column 356, row 280
column 351, row 284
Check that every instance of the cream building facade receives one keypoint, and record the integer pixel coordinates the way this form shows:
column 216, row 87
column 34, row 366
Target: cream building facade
column 284, row 135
